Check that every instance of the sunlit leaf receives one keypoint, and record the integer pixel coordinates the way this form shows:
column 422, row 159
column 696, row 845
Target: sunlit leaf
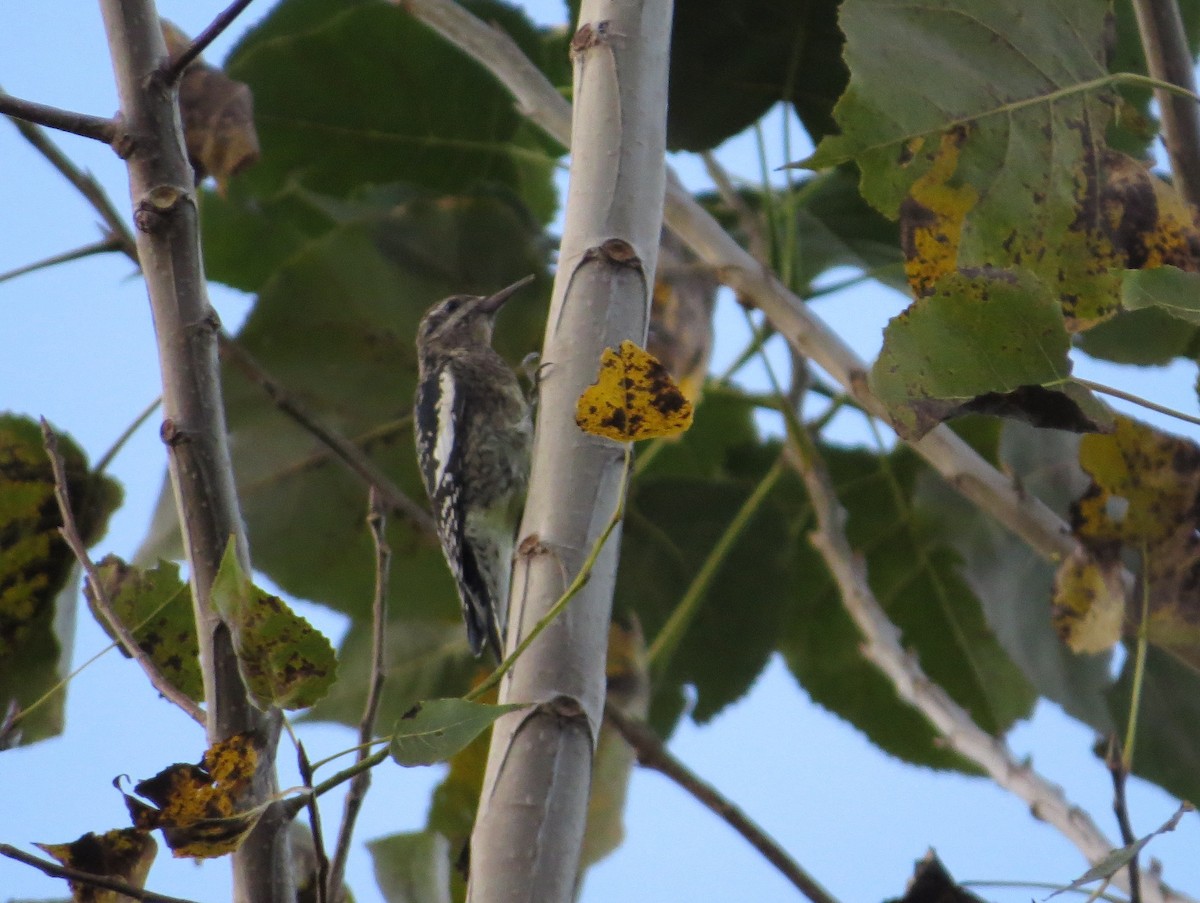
column 633, row 398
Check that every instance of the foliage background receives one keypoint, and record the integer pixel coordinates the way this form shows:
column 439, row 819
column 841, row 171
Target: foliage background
column 77, row 348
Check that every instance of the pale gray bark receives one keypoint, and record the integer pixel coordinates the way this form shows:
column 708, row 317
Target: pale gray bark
column 168, row 245
column 529, row 831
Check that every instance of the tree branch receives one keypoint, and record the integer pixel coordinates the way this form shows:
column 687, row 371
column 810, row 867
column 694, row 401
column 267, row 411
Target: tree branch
column 883, row 647
column 653, row 754
column 162, row 187
column 54, row 870
column 95, row 127
column 529, row 830
column 361, row 782
column 70, row 534
column 224, row 19
column 1168, row 59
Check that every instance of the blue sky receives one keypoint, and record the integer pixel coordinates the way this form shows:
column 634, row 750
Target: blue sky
column 79, row 350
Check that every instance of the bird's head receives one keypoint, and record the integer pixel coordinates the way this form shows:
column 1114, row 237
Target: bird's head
column 464, row 320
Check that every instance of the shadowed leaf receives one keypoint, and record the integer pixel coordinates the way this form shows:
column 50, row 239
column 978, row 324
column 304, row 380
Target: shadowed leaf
column 434, row 731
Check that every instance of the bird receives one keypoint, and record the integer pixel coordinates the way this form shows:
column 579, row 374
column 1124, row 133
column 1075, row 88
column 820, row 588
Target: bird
column 473, row 429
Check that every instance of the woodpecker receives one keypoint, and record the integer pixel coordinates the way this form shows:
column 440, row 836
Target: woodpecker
column 473, row 429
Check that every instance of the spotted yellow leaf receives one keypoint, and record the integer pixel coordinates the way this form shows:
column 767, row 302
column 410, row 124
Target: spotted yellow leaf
column 633, row 398
column 201, row 808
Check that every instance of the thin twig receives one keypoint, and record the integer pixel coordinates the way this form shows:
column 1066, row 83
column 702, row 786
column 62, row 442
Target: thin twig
column 97, row 128
column 70, row 534
column 652, row 754
column 102, row 246
column 105, row 459
column 360, row 783
column 1168, row 59
column 54, row 870
column 343, row 449
column 314, row 824
column 223, row 20
column 84, row 183
column 1117, row 768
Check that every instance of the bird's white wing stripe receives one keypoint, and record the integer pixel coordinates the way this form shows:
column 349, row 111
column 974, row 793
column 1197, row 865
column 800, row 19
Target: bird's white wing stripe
column 444, row 444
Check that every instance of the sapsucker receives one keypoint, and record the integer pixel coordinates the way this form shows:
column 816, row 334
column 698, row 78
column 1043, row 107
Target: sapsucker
column 473, row 430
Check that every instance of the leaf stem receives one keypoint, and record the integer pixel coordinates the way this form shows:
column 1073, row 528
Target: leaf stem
column 1135, row 399
column 1139, row 666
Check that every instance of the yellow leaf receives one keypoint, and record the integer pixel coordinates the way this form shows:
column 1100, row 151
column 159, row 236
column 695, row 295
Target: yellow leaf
column 633, row 398
column 1089, row 604
column 201, row 808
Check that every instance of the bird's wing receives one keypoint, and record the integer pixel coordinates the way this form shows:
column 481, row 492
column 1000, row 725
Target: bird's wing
column 443, row 421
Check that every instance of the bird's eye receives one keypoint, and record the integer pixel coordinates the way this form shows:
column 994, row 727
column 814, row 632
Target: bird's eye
column 452, row 306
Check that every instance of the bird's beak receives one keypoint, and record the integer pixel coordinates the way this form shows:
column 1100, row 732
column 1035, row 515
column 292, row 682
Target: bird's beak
column 493, row 303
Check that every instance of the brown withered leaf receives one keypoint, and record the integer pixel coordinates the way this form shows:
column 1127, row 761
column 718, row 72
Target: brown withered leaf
column 125, row 854
column 1145, row 499
column 218, row 116
column 201, row 809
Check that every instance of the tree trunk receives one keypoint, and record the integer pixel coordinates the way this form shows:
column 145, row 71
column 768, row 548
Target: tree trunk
column 532, row 813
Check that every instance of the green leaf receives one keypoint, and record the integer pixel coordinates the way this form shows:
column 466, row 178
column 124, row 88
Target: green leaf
column 671, row 526
column 981, row 125
column 433, row 731
column 730, row 62
column 1134, row 128
column 413, row 867
column 1012, row 583
column 1167, row 288
column 156, row 607
column 1119, row 858
column 991, row 342
column 916, row 579
column 334, row 140
column 283, row 660
column 1150, row 337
